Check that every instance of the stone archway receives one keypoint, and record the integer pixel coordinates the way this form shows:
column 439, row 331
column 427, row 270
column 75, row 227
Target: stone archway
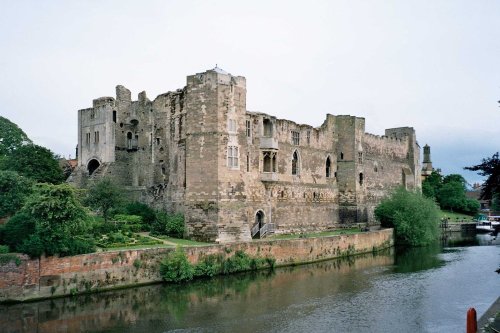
column 92, row 166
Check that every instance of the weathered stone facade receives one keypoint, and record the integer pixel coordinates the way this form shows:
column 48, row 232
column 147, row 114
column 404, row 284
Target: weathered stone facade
column 237, row 174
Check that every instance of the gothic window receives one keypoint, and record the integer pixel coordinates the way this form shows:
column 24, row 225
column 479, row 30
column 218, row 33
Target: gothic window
column 248, row 129
column 87, row 138
column 96, row 137
column 328, row 167
column 129, row 140
column 295, row 138
column 361, row 178
column 267, row 162
column 232, row 157
column 295, row 163
column 158, row 141
column 360, row 157
column 92, row 114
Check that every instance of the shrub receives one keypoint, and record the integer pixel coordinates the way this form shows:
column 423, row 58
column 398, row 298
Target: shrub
column 210, row 265
column 137, row 208
column 414, row 218
column 239, row 262
column 4, row 249
column 171, row 225
column 131, row 219
column 17, row 229
column 14, row 189
column 176, row 267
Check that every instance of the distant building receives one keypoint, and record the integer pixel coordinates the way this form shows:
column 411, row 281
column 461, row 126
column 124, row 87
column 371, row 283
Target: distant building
column 427, row 164
column 475, row 193
column 237, row 174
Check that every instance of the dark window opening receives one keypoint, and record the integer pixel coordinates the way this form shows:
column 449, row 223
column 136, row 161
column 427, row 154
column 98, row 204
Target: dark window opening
column 248, row 162
column 360, row 158
column 267, row 162
column 114, row 116
column 360, row 178
column 328, row 167
column 268, row 128
column 341, row 155
column 295, row 163
column 92, row 166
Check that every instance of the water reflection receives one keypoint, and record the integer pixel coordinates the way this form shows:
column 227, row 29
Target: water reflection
column 393, row 291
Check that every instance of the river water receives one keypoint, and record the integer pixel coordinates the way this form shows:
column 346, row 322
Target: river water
column 418, row 290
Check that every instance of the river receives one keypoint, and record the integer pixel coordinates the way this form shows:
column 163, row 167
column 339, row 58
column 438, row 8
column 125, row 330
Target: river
column 417, row 290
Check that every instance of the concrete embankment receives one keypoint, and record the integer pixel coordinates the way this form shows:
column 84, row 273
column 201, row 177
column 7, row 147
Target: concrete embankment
column 53, row 276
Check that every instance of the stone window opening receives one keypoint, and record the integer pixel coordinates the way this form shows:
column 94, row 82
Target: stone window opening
column 341, row 155
column 268, row 128
column 114, row 116
column 269, row 162
column 361, row 178
column 308, row 137
column 92, row 166
column 248, row 129
column 248, row 162
column 295, row 138
column 158, row 141
column 129, row 140
column 232, row 157
column 328, row 167
column 295, row 163
column 92, row 114
column 360, row 157
column 87, row 138
column 96, row 137
column 375, row 169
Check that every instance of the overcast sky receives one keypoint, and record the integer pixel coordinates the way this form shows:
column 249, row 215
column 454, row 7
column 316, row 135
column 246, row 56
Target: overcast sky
column 433, row 65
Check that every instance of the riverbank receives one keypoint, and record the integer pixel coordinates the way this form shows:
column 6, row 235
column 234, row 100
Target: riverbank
column 47, row 277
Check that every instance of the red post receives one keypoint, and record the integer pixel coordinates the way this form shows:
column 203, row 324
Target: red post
column 471, row 321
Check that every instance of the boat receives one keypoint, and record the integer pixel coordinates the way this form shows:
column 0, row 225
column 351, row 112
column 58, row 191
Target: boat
column 487, row 224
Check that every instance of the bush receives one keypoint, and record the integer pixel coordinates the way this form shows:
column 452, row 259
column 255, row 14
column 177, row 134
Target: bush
column 415, row 219
column 131, row 219
column 171, row 225
column 14, row 189
column 17, row 229
column 176, row 267
column 137, row 208
column 209, row 266
column 4, row 249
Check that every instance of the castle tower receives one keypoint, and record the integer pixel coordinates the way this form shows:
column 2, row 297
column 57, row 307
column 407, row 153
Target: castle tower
column 216, row 106
column 427, row 164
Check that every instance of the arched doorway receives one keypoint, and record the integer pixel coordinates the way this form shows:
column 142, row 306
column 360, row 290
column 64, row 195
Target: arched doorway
column 259, row 223
column 92, row 166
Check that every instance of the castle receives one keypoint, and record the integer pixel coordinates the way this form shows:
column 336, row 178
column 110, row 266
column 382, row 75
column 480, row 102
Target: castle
column 237, row 174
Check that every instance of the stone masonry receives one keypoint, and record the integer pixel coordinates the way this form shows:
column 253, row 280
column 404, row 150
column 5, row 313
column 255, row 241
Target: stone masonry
column 237, row 174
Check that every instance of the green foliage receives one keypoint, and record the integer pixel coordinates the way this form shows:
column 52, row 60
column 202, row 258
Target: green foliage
column 35, row 162
column 166, row 224
column 414, row 218
column 175, row 267
column 11, row 136
column 123, row 238
column 137, row 263
column 9, row 257
column 137, row 208
column 14, row 189
column 131, row 219
column 490, row 168
column 4, row 249
column 449, row 192
column 60, row 222
column 103, row 196
column 18, row 229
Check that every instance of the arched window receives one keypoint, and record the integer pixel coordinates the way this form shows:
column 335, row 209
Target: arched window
column 295, row 163
column 361, row 178
column 129, row 140
column 328, row 167
column 267, row 162
column 341, row 155
column 92, row 166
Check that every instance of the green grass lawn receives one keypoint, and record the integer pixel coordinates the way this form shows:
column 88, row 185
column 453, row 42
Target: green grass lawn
column 455, row 216
column 318, row 234
column 182, row 242
column 135, row 247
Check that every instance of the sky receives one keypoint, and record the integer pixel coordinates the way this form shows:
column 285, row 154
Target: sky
column 429, row 64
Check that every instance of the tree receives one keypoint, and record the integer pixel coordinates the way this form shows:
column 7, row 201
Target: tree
column 52, row 222
column 35, row 162
column 414, row 218
column 11, row 136
column 490, row 167
column 14, row 189
column 431, row 184
column 103, row 196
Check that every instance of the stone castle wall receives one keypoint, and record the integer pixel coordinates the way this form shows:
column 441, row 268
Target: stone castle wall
column 54, row 276
column 199, row 150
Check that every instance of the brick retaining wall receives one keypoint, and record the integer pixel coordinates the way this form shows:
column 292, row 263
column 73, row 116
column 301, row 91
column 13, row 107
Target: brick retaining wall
column 54, row 276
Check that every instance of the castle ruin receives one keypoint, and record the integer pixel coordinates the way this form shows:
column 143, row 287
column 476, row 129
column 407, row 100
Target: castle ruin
column 237, row 174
